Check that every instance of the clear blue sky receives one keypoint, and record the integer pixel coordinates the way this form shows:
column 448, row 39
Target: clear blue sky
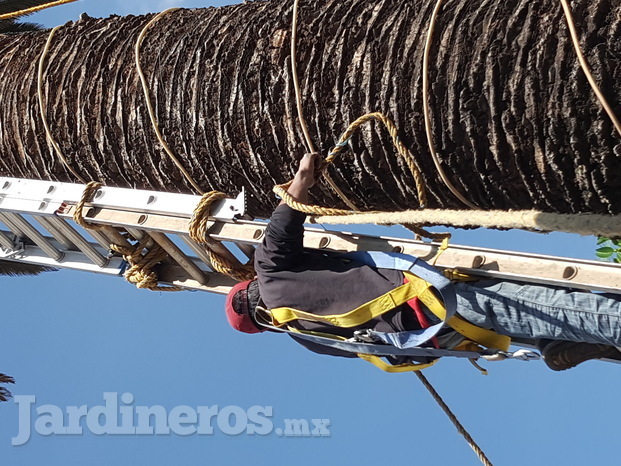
column 67, row 338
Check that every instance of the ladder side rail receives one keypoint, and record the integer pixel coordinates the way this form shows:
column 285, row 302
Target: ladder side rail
column 72, row 260
column 46, row 197
column 573, row 273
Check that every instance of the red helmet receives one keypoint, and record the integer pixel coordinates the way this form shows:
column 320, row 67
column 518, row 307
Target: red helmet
column 238, row 307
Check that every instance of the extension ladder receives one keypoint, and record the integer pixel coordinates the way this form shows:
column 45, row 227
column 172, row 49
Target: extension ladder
column 38, row 216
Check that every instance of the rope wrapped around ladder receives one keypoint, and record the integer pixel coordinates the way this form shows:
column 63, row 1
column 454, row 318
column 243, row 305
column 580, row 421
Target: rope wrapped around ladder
column 198, row 232
column 140, row 271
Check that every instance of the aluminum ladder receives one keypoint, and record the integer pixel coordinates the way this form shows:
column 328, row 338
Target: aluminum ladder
column 38, row 216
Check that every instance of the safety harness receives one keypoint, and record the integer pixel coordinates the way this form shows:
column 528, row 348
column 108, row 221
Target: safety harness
column 370, row 345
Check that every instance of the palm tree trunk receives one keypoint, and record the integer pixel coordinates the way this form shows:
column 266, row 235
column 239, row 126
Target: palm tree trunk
column 514, row 121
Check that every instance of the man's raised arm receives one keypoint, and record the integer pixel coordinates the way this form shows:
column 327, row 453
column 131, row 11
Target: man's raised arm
column 284, row 236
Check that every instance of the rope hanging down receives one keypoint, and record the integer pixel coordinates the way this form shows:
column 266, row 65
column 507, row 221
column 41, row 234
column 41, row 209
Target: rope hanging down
column 460, row 428
column 198, row 224
column 42, row 108
column 147, row 94
column 585, row 66
column 427, row 111
column 34, row 9
column 298, row 100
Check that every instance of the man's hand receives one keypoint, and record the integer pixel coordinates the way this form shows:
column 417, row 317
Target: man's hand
column 306, row 177
column 309, row 170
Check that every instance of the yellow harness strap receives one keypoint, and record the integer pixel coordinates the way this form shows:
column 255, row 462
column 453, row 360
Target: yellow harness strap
column 415, row 287
column 484, row 337
column 398, row 368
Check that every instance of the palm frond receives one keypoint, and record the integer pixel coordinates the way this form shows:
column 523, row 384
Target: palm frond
column 9, row 26
column 5, row 394
column 17, row 269
column 6, row 378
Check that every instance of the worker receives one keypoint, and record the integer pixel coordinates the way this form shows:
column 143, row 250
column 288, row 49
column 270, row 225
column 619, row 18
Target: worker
column 570, row 327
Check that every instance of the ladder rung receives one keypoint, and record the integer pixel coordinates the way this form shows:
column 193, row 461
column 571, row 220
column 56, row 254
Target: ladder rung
column 179, row 256
column 201, row 251
column 34, row 234
column 101, row 238
column 198, row 249
column 246, row 248
column 78, row 240
column 136, row 233
column 113, row 237
column 6, row 219
column 222, row 251
column 47, row 223
column 215, row 282
column 6, row 242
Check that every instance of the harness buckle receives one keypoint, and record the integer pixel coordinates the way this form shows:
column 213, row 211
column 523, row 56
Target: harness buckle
column 363, row 336
column 521, row 354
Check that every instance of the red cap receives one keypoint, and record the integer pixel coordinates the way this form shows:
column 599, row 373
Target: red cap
column 240, row 318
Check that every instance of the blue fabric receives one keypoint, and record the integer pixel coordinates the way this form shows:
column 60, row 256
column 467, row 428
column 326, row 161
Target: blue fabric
column 541, row 312
column 385, row 350
column 403, row 262
column 518, row 310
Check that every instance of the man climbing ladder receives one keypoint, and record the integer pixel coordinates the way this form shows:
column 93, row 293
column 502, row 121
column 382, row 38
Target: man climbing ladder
column 309, row 292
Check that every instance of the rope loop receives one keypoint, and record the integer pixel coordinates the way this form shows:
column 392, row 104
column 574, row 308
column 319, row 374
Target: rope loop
column 402, row 150
column 200, row 218
column 339, row 148
column 198, row 227
column 87, row 196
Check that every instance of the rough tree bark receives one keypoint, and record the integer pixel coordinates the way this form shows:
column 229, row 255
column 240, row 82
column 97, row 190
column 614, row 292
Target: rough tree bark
column 514, row 120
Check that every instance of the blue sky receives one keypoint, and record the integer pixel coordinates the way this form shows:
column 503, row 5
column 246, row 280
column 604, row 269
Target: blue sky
column 68, row 338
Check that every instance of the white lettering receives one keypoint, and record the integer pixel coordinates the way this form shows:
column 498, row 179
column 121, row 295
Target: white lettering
column 182, row 419
column 24, row 402
column 224, row 420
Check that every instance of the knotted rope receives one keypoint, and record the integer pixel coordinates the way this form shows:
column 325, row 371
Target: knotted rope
column 140, row 271
column 281, row 190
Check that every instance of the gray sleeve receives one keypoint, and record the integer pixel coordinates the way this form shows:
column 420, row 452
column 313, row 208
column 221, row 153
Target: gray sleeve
column 284, row 241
